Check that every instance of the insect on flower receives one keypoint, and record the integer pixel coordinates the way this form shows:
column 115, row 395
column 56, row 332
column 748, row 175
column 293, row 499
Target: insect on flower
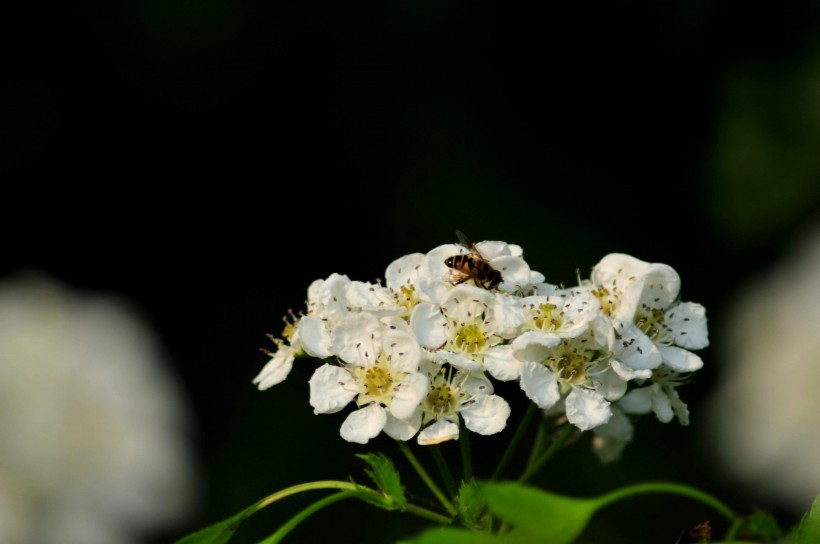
column 472, row 266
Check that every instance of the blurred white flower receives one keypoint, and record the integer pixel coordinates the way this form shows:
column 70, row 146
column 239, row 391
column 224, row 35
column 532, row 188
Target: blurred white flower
column 93, row 445
column 764, row 417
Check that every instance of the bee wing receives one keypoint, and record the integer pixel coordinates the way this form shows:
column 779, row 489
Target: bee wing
column 464, row 240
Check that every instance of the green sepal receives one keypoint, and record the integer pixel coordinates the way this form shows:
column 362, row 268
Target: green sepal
column 472, row 507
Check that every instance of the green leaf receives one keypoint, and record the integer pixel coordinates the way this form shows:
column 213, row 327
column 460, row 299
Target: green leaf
column 809, row 530
column 452, row 536
column 552, row 518
column 386, row 478
column 472, row 507
column 220, row 532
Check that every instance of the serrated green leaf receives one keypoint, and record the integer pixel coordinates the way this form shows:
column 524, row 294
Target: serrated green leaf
column 553, row 518
column 386, row 477
column 220, row 532
column 809, row 530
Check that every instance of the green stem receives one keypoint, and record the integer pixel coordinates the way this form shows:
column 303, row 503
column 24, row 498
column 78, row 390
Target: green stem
column 304, row 514
column 511, row 447
column 444, row 469
column 427, row 479
column 538, row 464
column 537, row 443
column 426, row 514
column 322, row 484
column 347, row 487
column 733, row 529
column 671, row 488
column 466, row 456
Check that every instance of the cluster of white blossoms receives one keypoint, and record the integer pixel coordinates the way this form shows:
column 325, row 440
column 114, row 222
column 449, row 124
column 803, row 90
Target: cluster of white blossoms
column 423, row 349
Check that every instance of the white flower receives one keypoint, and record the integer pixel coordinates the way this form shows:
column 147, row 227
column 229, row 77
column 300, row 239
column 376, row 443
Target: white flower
column 381, row 373
column 93, row 445
column 326, row 306
column 653, row 327
column 465, row 330
column 465, row 394
column 578, row 367
column 280, row 364
column 409, row 282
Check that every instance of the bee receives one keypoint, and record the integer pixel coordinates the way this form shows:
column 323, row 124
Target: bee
column 472, row 266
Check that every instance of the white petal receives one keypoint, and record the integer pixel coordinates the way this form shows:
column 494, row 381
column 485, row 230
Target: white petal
column 487, row 414
column 534, row 345
column 400, row 429
column 403, row 351
column 315, row 337
column 610, row 384
column 429, row 325
column 687, row 324
column 507, row 315
column 636, row 350
column 458, row 360
column 680, row 359
column 491, row 249
column 371, row 297
column 465, row 302
column 502, row 364
column 678, row 406
column 362, row 425
column 661, row 404
column 539, row 384
column 515, row 273
column 357, row 339
column 404, row 270
column 587, row 409
column 436, row 257
column 277, row 368
column 440, row 431
column 332, row 296
column 611, row 438
column 661, row 286
column 407, row 395
column 637, row 401
column 331, row 389
column 475, row 383
column 626, row 373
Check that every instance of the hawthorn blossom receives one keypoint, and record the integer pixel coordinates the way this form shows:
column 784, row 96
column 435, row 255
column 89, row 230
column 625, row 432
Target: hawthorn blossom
column 652, row 325
column 460, row 393
column 465, row 331
column 288, row 348
column 379, row 370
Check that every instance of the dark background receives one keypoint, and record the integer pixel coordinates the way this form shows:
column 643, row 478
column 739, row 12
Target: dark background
column 209, row 159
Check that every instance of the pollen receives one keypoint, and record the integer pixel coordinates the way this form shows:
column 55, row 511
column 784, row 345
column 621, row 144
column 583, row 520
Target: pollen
column 442, row 400
column 378, row 381
column 470, row 338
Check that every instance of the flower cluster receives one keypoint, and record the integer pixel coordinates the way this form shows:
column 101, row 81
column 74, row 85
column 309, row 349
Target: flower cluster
column 422, row 350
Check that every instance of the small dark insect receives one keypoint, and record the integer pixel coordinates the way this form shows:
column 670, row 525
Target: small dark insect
column 699, row 533
column 472, row 266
